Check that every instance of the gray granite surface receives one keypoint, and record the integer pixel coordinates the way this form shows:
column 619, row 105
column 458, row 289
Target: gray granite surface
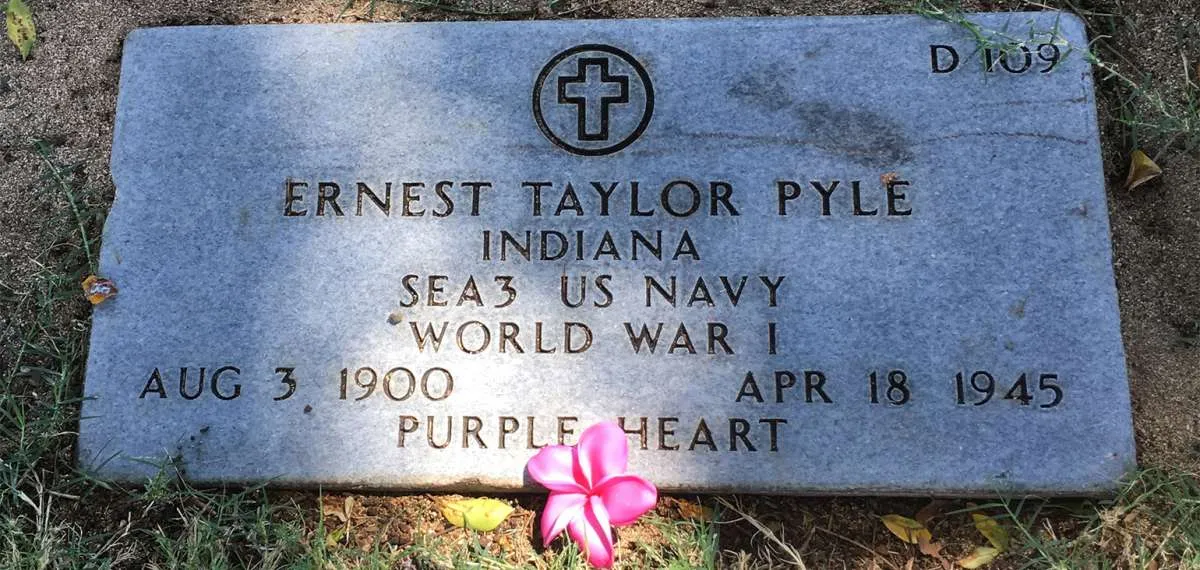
column 915, row 230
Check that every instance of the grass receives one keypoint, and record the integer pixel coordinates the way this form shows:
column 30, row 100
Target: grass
column 39, row 386
column 685, row 543
column 1153, row 523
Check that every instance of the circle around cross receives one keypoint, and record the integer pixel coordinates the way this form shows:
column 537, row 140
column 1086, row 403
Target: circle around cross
column 586, row 105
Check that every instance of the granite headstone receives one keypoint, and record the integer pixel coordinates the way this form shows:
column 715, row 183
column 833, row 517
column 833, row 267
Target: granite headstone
column 788, row 255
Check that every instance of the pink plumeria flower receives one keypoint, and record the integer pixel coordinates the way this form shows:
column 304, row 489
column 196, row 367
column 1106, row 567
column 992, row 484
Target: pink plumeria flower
column 590, row 491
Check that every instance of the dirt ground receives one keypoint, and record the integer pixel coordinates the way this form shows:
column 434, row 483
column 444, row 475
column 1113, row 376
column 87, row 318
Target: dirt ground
column 66, row 94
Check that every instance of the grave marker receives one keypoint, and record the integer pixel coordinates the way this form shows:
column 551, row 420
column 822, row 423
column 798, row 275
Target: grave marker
column 790, row 255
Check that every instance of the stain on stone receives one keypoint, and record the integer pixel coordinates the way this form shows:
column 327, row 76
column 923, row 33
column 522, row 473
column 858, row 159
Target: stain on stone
column 865, row 137
column 763, row 89
column 1081, row 210
column 1018, row 309
column 307, row 409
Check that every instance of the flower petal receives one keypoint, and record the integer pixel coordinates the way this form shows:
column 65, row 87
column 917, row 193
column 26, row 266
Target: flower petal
column 553, row 467
column 561, row 508
column 626, row 497
column 593, row 534
column 602, row 451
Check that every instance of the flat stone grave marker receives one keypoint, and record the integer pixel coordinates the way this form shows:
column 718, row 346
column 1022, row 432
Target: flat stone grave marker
column 788, row 255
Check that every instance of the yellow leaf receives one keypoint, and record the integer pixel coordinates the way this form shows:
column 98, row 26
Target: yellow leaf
column 20, row 26
column 982, row 556
column 991, row 530
column 908, row 530
column 1141, row 170
column 333, row 538
column 476, row 514
column 455, row 513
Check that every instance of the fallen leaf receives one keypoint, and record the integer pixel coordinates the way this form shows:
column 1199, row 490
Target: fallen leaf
column 332, row 511
column 906, row 529
column 334, row 537
column 694, row 510
column 888, row 177
column 1141, row 170
column 928, row 512
column 982, row 556
column 21, row 30
column 476, row 514
column 928, row 546
column 991, row 530
column 98, row 290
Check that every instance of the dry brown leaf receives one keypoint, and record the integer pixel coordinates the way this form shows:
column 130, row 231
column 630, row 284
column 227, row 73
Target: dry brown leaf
column 98, row 290
column 1141, row 170
column 906, row 529
column 340, row 512
column 888, row 177
column 982, row 556
column 334, row 512
column 928, row 546
column 694, row 510
column 992, row 531
column 930, row 511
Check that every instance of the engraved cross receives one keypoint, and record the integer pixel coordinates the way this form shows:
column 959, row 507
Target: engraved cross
column 592, row 90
